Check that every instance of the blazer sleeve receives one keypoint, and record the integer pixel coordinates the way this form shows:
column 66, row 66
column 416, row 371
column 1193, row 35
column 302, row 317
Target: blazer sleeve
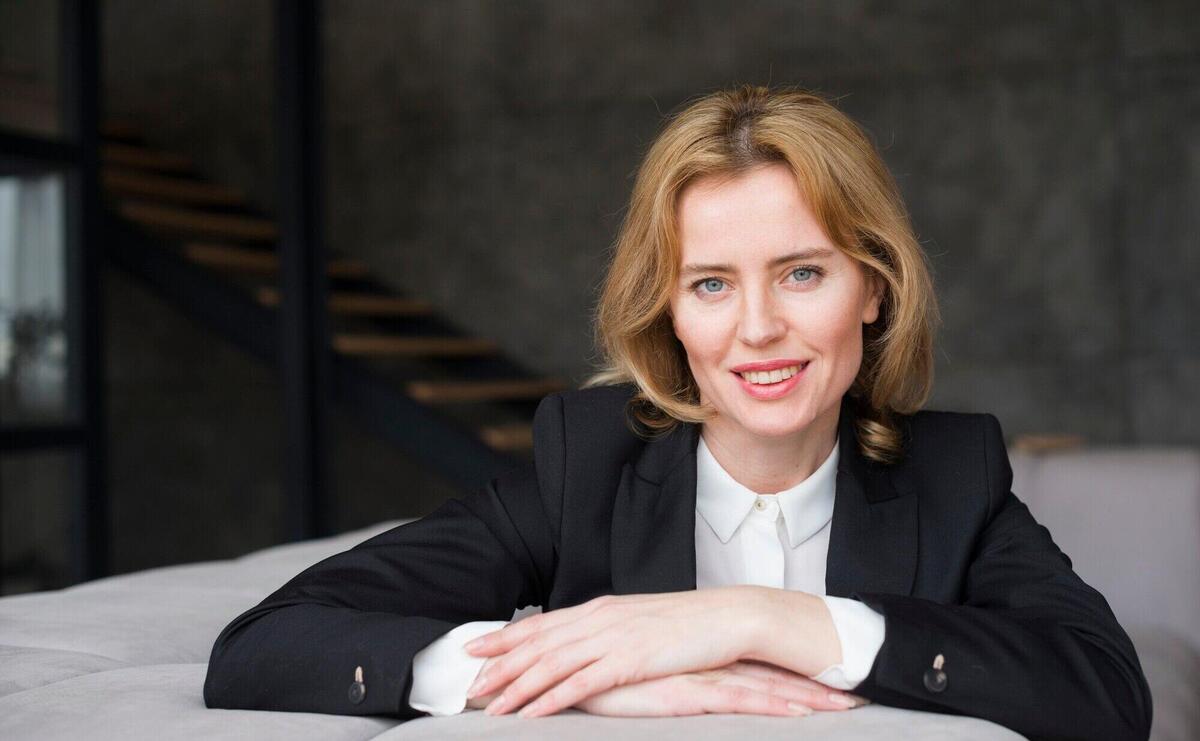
column 1032, row 647
column 374, row 606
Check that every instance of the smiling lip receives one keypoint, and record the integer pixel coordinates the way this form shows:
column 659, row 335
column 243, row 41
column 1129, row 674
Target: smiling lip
column 771, row 391
column 767, row 365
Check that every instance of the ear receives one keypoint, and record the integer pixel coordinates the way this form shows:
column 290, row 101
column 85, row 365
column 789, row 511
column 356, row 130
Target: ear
column 874, row 298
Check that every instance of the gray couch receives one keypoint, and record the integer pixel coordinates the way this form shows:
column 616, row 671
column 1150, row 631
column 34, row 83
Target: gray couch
column 125, row 657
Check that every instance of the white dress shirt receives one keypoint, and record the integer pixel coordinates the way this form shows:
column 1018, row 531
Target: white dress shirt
column 773, row 540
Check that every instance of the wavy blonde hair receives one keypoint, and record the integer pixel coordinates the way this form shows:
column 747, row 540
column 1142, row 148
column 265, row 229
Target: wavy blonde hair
column 854, row 199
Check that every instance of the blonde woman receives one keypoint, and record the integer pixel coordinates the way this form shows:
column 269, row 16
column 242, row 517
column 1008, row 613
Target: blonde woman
column 745, row 511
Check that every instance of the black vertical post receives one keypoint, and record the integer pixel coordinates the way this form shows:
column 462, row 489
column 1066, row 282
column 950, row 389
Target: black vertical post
column 80, row 110
column 304, row 358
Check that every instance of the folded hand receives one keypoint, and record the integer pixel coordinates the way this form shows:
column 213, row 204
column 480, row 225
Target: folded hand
column 561, row 658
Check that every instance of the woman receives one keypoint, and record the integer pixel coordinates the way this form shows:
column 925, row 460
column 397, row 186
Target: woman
column 744, row 512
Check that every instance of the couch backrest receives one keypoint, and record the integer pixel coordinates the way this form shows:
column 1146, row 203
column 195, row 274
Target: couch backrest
column 1129, row 519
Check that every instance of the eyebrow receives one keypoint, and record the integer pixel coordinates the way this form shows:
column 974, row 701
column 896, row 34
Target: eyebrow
column 805, row 254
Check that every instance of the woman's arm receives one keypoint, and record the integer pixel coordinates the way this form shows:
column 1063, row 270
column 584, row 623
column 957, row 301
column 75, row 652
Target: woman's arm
column 1031, row 647
column 376, row 605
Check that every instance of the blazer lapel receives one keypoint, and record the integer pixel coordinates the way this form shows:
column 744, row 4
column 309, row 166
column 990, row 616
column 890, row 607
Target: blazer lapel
column 654, row 517
column 872, row 541
column 873, row 535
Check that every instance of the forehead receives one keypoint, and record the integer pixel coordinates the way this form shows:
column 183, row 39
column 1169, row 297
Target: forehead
column 751, row 216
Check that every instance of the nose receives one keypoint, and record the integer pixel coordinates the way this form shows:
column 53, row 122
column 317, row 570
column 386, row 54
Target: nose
column 761, row 322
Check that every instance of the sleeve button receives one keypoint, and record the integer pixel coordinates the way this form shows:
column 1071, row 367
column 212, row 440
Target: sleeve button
column 935, row 679
column 358, row 690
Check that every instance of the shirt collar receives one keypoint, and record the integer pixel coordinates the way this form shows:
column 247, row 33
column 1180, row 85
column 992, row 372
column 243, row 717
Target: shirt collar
column 724, row 503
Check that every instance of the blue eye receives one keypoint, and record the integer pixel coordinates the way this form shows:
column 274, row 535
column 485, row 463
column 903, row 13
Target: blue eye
column 708, row 282
column 808, row 271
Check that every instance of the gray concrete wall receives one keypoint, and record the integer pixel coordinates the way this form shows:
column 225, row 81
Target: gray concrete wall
column 480, row 155
column 199, row 76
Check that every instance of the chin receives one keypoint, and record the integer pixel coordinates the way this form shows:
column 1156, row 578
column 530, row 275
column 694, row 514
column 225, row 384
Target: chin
column 776, row 423
column 776, row 432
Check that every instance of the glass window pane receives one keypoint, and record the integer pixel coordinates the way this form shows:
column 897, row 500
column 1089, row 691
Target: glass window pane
column 29, row 74
column 33, row 332
column 35, row 523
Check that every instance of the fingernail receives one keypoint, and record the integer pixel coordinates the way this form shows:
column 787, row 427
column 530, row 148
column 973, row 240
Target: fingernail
column 496, row 706
column 479, row 684
column 860, row 700
column 838, row 698
column 528, row 710
column 474, row 644
column 799, row 709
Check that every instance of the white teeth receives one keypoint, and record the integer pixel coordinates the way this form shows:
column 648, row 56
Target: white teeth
column 775, row 376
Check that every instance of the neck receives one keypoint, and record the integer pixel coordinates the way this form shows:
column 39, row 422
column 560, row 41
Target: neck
column 769, row 465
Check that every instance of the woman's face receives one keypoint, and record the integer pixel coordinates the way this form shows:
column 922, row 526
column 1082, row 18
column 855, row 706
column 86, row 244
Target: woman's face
column 761, row 286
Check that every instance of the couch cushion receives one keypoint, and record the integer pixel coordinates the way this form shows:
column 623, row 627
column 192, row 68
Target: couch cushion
column 26, row 668
column 157, row 702
column 160, row 616
column 1172, row 667
column 869, row 723
column 1129, row 519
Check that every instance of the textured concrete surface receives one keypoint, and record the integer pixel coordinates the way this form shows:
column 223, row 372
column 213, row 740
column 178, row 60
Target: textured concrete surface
column 1046, row 153
column 200, row 75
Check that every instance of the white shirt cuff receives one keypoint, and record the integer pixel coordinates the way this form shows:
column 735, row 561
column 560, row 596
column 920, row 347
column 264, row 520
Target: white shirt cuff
column 443, row 671
column 860, row 630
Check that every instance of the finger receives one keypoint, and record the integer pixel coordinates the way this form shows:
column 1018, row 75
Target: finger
column 505, row 668
column 592, row 679
column 817, row 699
column 513, row 634
column 788, row 684
column 547, row 671
column 502, row 640
column 480, row 700
column 784, row 677
column 735, row 699
column 760, row 669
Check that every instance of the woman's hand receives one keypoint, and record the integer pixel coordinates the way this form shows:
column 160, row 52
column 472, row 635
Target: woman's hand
column 611, row 641
column 479, row 702
column 741, row 687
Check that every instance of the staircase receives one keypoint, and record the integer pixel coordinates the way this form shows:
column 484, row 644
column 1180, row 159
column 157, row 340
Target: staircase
column 450, row 400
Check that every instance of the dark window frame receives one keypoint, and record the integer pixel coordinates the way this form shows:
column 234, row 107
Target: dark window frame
column 75, row 154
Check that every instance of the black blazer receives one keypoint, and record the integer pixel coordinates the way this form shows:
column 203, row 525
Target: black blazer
column 938, row 544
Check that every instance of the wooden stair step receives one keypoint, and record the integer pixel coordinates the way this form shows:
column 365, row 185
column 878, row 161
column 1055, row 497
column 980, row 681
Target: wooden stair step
column 509, row 438
column 393, row 345
column 359, row 304
column 143, row 158
column 440, row 392
column 159, row 187
column 245, row 259
column 228, row 226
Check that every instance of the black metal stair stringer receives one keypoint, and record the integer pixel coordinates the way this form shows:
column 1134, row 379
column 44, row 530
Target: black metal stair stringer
column 444, row 446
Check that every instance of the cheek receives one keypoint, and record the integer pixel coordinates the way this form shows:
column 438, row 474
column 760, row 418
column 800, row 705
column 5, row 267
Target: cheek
column 704, row 338
column 838, row 332
column 848, row 346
